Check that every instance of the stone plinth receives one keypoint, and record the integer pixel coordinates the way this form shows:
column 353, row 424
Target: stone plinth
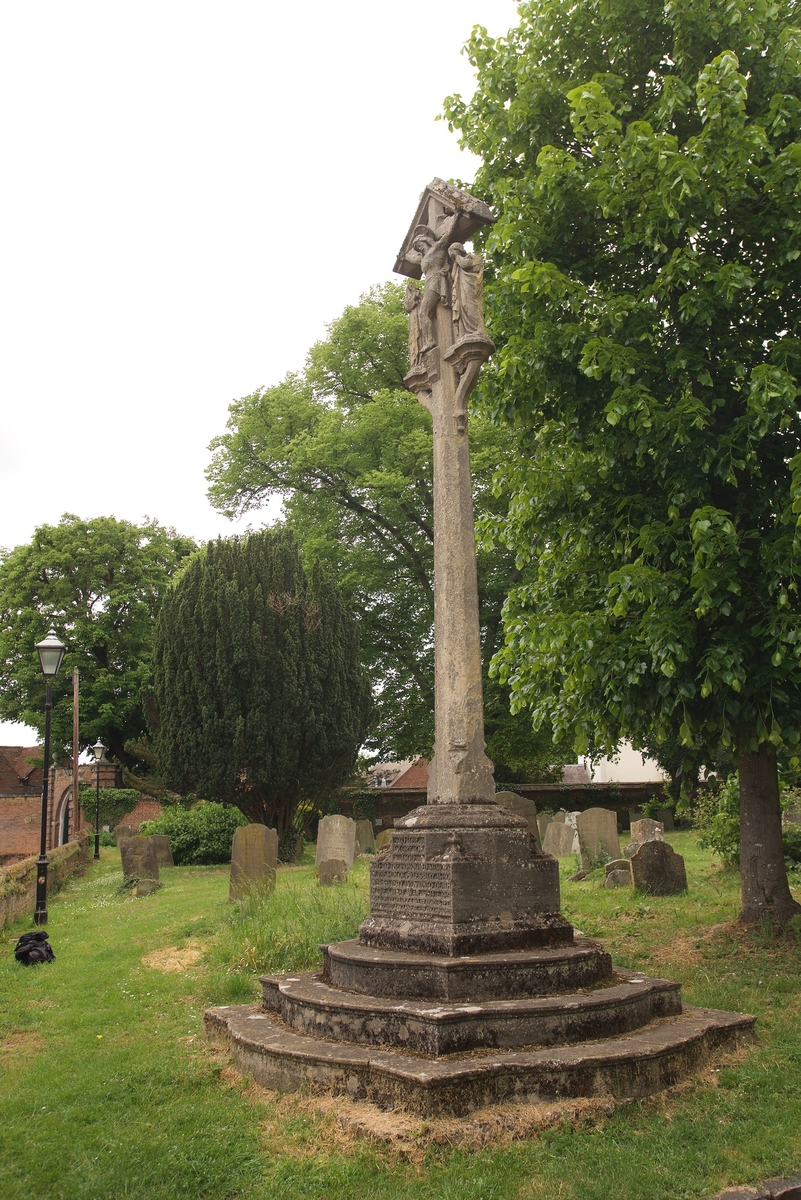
column 459, row 879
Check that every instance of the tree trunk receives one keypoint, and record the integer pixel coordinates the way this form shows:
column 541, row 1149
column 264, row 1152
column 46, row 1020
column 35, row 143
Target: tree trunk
column 763, row 877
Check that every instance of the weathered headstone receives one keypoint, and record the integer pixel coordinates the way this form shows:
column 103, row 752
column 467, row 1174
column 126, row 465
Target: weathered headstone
column 559, row 840
column 365, row 838
column 139, row 860
column 597, row 830
column 254, row 861
column 163, row 849
column 618, row 879
column 145, row 887
column 644, row 830
column 617, row 864
column 336, row 838
column 658, row 870
column 121, row 831
column 560, row 815
column 543, row 821
column 383, row 840
column 521, row 807
column 332, row 870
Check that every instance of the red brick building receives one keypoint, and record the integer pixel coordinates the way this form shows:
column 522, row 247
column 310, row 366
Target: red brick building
column 21, row 802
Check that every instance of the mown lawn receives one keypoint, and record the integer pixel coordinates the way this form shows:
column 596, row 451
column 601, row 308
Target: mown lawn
column 107, row 1090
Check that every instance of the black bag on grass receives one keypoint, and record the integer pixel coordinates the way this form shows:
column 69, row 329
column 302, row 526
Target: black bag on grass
column 34, row 948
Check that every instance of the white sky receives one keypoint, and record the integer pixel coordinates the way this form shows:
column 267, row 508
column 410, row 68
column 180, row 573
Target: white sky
column 192, row 191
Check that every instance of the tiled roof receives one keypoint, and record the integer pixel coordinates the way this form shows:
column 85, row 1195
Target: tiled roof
column 17, row 776
column 414, row 777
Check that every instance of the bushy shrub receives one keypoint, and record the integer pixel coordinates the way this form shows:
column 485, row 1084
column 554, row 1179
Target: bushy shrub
column 717, row 819
column 199, row 835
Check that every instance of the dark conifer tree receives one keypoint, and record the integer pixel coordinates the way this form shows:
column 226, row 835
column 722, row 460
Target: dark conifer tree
column 260, row 699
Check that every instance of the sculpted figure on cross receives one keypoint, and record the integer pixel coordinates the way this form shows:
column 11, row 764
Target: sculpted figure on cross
column 430, row 250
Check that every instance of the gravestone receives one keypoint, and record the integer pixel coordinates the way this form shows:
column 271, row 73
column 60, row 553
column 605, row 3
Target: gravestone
column 365, row 838
column 254, row 861
column 522, row 807
column 658, row 870
column 383, row 840
column 644, row 830
column 559, row 840
column 560, row 815
column 163, row 849
column 332, row 870
column 139, row 860
column 543, row 821
column 121, row 831
column 618, row 878
column 617, row 864
column 597, row 830
column 336, row 838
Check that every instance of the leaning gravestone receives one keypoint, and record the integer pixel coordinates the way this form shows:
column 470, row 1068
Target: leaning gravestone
column 559, row 839
column 163, row 849
column 618, row 878
column 336, row 838
column 597, row 830
column 332, row 870
column 121, row 831
column 140, row 862
column 658, row 870
column 365, row 838
column 254, row 861
column 521, row 807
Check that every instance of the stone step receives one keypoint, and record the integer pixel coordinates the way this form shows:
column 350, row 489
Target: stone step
column 635, row 1065
column 354, row 967
column 309, row 1006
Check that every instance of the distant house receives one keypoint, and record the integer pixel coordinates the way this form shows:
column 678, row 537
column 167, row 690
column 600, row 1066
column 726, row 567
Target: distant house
column 622, row 783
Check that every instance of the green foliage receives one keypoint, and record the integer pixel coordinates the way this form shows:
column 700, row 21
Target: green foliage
column 198, row 835
column 114, row 804
column 717, row 819
column 363, row 805
column 259, row 696
column 349, row 450
column 99, row 583
column 288, row 845
column 645, row 292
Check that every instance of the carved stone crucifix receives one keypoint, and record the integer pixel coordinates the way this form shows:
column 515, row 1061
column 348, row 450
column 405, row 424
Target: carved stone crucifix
column 447, row 345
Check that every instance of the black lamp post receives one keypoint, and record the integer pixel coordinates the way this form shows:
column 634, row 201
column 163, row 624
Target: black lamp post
column 51, row 654
column 99, row 751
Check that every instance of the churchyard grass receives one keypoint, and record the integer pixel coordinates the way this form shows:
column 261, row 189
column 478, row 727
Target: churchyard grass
column 107, row 1090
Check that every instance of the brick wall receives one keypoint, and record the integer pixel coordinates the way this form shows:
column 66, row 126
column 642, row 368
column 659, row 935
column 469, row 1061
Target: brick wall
column 146, row 809
column 18, row 882
column 20, row 824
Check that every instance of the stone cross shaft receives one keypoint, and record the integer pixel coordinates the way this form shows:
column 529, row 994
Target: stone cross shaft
column 447, row 345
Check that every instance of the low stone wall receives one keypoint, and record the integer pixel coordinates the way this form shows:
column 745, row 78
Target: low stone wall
column 18, row 882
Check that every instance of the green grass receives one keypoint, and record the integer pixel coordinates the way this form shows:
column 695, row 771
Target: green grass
column 107, row 1091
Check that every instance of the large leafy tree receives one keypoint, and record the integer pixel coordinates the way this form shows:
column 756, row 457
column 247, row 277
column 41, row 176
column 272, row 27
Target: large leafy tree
column 645, row 160
column 349, row 450
column 99, row 583
column 260, row 698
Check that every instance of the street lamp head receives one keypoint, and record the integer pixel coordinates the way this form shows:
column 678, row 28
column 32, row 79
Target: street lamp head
column 99, row 751
column 51, row 654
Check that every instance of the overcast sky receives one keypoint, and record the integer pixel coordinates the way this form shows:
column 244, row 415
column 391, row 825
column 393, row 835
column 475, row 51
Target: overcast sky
column 192, row 191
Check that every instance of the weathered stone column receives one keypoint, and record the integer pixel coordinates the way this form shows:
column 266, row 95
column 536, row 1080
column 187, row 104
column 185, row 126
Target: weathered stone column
column 461, row 875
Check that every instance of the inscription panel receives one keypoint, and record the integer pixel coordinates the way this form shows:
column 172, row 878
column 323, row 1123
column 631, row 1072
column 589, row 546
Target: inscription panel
column 409, row 888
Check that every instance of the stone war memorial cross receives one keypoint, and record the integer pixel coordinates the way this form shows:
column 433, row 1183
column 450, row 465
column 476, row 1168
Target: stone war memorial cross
column 466, row 986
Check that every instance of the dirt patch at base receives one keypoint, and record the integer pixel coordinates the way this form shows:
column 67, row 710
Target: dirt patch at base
column 21, row 1042
column 171, row 959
